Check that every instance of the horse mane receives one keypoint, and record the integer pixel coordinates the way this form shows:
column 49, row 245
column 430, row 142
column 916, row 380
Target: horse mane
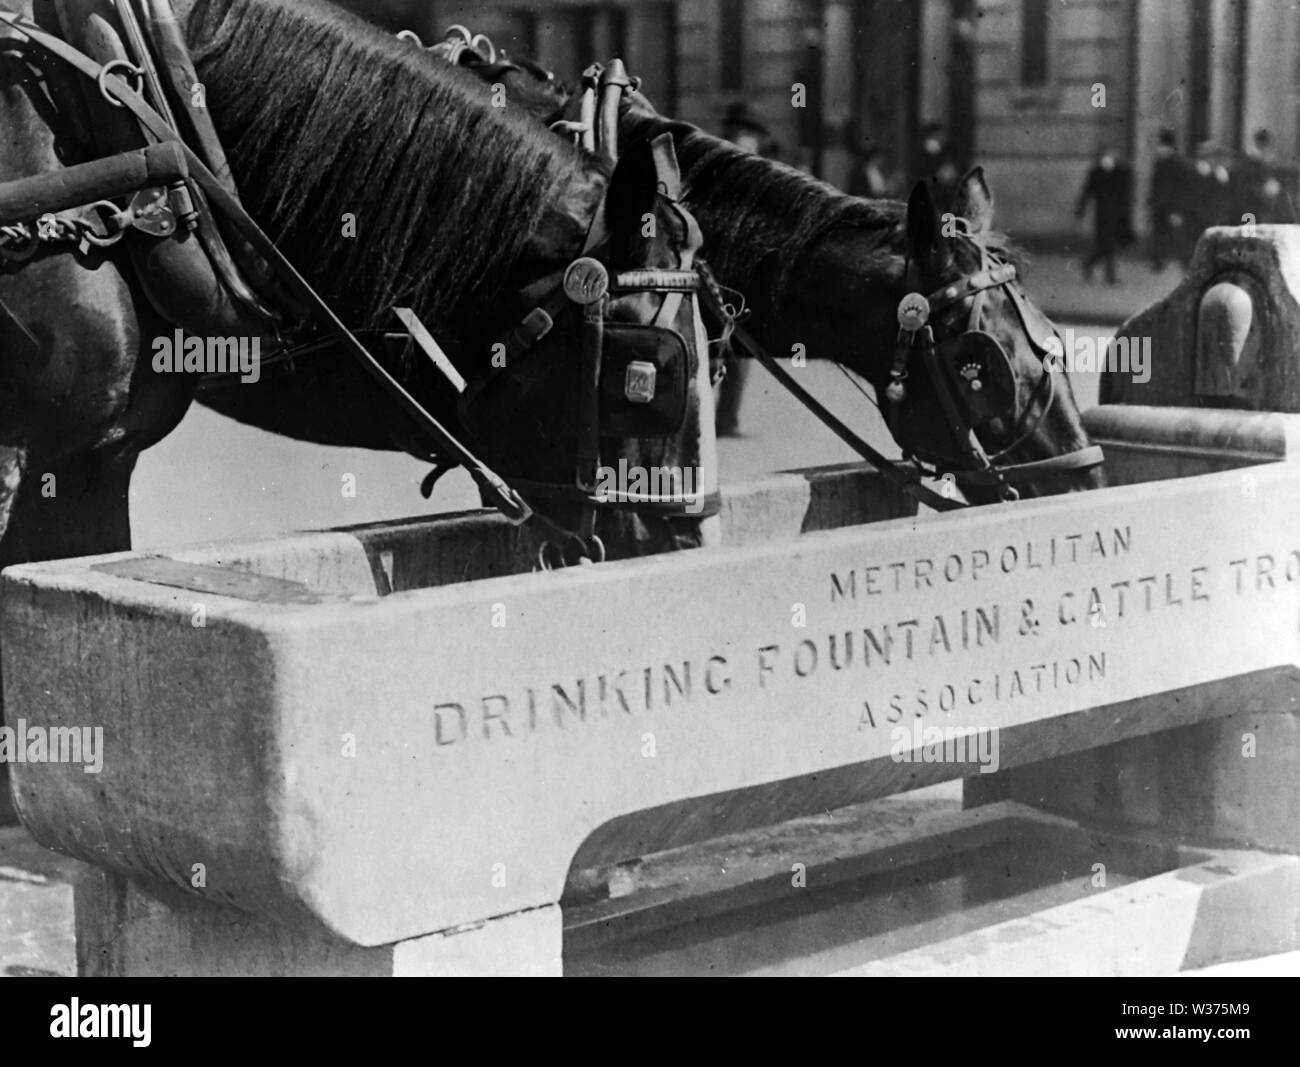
column 755, row 210
column 323, row 114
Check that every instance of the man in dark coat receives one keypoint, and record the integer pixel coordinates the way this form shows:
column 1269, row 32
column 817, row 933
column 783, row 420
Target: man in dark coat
column 1170, row 203
column 1212, row 199
column 1263, row 191
column 1109, row 189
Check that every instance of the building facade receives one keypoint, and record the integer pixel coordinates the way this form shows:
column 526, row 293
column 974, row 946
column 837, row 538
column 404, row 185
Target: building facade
column 1059, row 79
column 1032, row 89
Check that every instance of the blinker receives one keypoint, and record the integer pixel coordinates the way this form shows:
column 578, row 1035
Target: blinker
column 645, row 381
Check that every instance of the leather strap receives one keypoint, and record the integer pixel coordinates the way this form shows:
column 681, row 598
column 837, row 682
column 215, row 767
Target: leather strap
column 655, row 280
column 905, row 481
column 1092, row 456
column 967, row 440
column 665, row 506
column 988, row 278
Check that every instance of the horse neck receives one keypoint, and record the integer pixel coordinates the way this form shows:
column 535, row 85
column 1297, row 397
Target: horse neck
column 816, row 268
column 454, row 202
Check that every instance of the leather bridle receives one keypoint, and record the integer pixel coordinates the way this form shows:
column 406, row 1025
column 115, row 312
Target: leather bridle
column 587, row 288
column 975, row 465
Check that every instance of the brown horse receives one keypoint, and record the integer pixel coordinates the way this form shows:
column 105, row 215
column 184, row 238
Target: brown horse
column 824, row 274
column 457, row 209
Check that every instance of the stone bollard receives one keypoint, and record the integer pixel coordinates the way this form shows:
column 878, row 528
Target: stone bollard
column 1229, row 334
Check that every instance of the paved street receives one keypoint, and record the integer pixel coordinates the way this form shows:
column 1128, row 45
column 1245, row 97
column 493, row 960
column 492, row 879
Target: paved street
column 1056, row 281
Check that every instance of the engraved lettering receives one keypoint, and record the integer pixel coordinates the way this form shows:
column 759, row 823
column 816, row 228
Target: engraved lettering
column 489, row 716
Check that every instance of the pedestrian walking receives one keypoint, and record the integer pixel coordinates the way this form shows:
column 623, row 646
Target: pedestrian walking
column 1108, row 190
column 1263, row 192
column 1213, row 202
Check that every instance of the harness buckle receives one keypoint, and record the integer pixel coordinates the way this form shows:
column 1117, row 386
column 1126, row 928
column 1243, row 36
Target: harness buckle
column 535, row 325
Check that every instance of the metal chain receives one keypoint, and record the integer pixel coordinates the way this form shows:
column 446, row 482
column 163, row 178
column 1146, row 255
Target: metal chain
column 733, row 313
column 20, row 241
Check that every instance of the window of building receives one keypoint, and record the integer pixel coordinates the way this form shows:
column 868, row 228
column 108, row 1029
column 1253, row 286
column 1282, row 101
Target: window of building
column 1034, row 44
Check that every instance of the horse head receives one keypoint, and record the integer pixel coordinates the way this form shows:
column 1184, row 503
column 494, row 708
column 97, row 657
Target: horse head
column 971, row 390
column 604, row 421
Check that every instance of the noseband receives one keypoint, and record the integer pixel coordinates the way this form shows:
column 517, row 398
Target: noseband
column 958, row 386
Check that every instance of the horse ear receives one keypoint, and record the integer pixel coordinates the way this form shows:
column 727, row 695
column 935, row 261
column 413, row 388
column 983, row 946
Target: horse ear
column 974, row 201
column 925, row 240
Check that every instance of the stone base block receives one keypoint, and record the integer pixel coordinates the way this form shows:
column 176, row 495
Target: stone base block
column 127, row 929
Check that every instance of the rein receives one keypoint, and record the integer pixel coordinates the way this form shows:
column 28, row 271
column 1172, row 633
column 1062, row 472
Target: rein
column 744, row 341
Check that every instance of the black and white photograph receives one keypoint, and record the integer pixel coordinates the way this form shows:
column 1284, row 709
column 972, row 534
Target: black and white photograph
column 650, row 488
